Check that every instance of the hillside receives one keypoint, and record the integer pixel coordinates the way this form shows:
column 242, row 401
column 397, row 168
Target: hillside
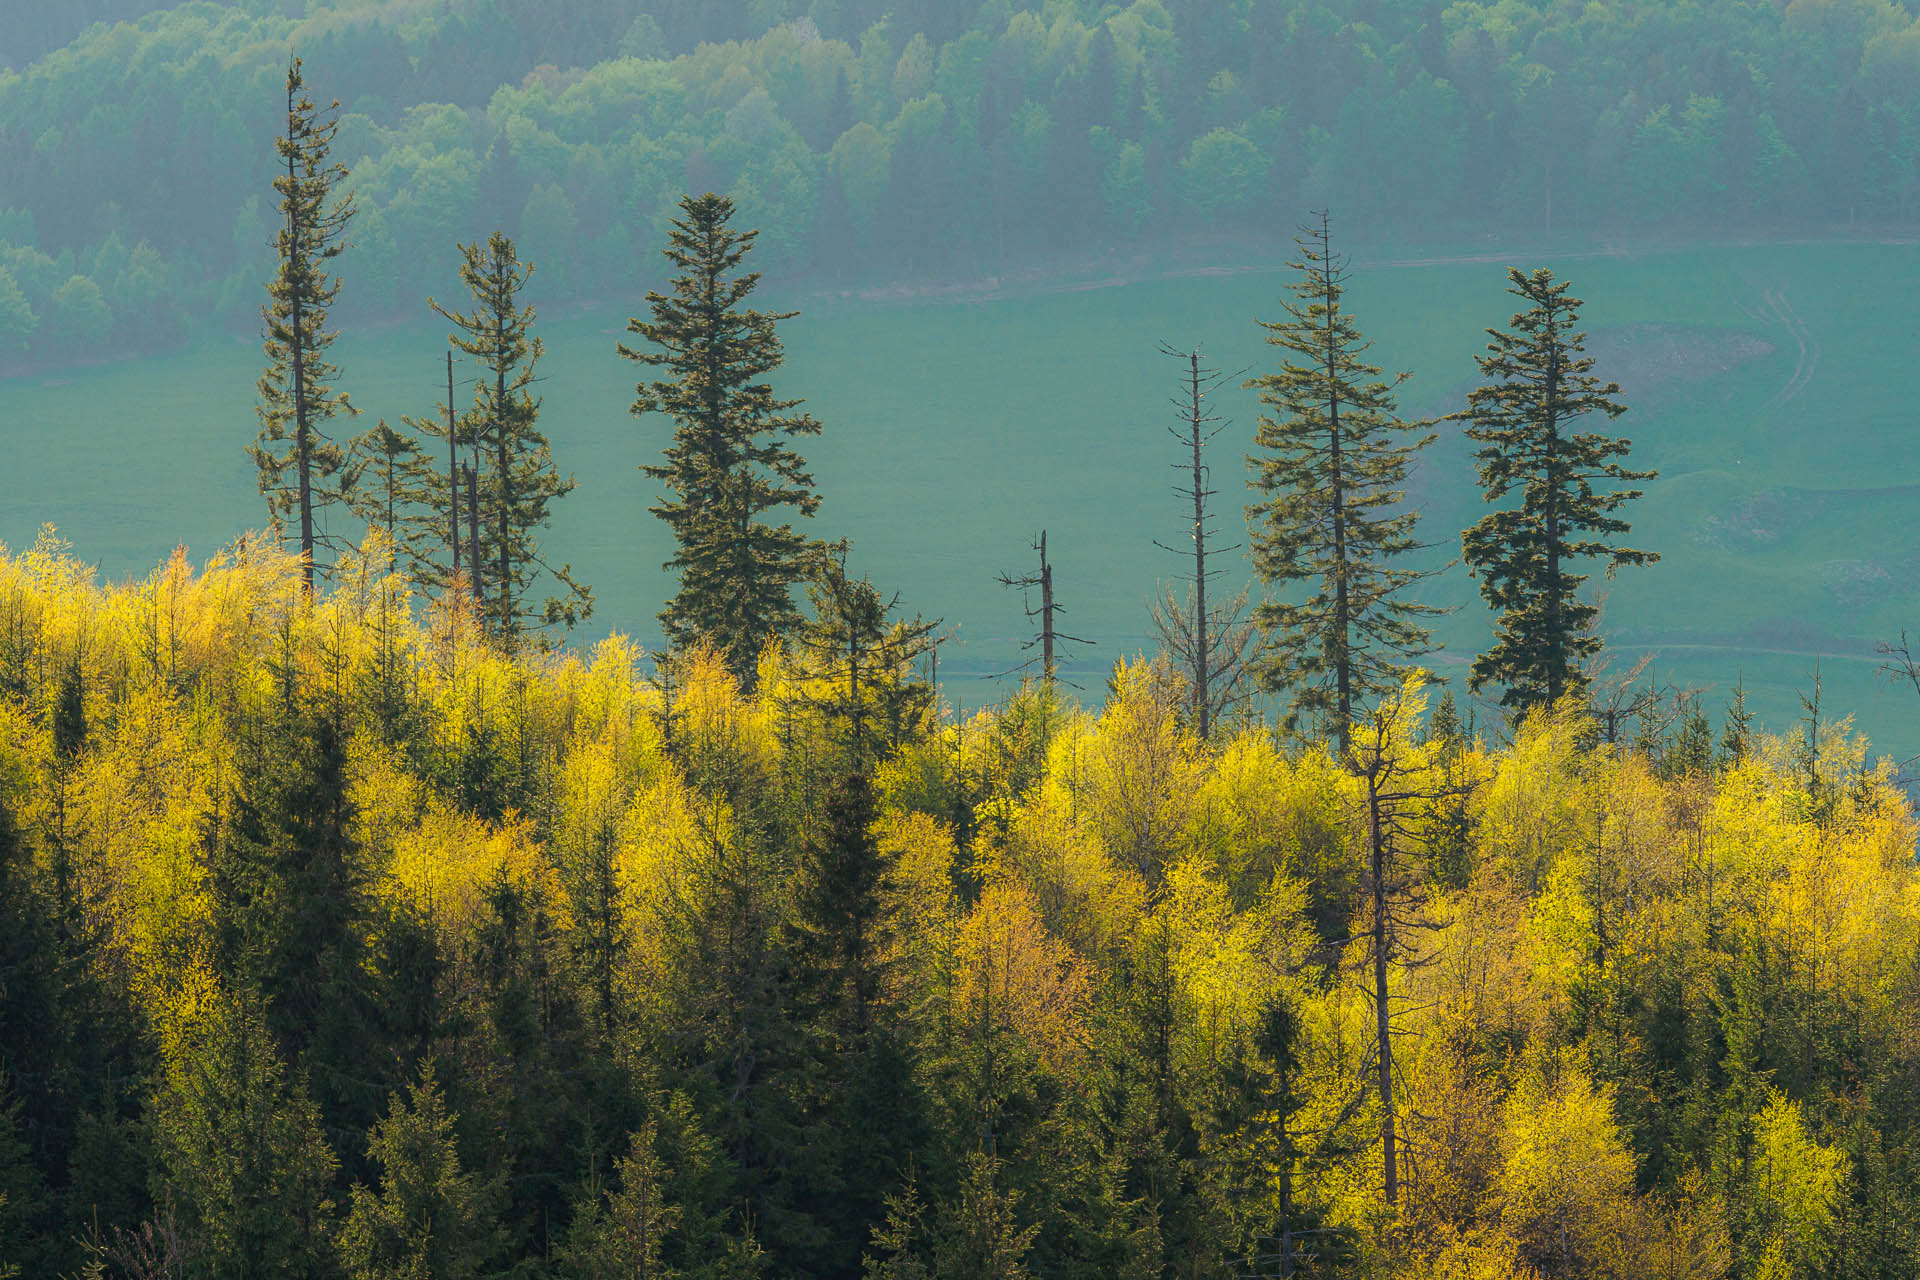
column 335, row 942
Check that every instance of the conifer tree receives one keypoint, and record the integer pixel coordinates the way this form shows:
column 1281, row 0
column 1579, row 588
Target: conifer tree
column 1541, row 385
column 1333, row 459
column 627, row 1236
column 291, row 892
column 517, row 479
column 429, row 1218
column 386, row 482
column 240, row 1151
column 731, row 470
column 838, row 927
column 299, row 466
column 868, row 660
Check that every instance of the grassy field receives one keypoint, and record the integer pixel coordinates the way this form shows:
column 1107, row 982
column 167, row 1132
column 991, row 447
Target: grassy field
column 1773, row 387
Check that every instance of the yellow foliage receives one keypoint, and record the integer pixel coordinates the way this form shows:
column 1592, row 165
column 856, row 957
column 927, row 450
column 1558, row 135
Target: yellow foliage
column 1478, row 1255
column 1230, row 963
column 1011, row 969
column 1534, row 805
column 444, row 868
column 1258, row 814
column 1134, row 776
column 1797, row 1185
column 1567, row 1179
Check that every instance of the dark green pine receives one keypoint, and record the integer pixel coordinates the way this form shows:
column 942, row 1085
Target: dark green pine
column 1329, row 528
column 730, row 472
column 1541, row 385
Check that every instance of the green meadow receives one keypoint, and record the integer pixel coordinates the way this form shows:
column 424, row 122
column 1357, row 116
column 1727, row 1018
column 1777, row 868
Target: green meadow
column 1773, row 387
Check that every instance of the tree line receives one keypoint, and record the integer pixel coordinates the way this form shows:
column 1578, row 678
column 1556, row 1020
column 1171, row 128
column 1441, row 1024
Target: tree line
column 1333, row 536
column 928, row 139
column 337, row 940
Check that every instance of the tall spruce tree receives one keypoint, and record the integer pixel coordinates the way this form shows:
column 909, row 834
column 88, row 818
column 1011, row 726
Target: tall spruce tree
column 299, row 466
column 731, row 469
column 517, row 479
column 1523, row 419
column 1333, row 459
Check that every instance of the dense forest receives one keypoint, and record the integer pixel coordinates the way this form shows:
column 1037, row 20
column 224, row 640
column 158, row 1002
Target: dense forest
column 338, row 941
column 354, row 925
column 917, row 140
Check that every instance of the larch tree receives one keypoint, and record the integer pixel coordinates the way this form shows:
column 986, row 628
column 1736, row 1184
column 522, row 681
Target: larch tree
column 1402, row 789
column 516, row 479
column 1331, row 469
column 731, row 470
column 1541, row 384
column 299, row 466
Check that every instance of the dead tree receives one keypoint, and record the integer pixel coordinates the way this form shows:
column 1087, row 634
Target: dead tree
column 1049, row 636
column 1208, row 641
column 1398, row 785
column 453, row 476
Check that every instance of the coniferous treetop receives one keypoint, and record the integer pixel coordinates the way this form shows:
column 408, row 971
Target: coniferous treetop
column 1541, row 385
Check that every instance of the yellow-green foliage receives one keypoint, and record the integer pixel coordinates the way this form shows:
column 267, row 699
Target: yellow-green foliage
column 1044, row 865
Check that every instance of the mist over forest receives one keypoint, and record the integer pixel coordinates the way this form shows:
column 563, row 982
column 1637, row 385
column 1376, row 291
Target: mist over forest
column 921, row 141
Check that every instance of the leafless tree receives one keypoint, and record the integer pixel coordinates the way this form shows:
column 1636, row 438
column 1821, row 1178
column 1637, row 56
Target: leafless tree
column 1208, row 641
column 1049, row 637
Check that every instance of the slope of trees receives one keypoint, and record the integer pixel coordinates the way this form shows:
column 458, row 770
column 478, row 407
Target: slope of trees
column 560, row 971
column 927, row 138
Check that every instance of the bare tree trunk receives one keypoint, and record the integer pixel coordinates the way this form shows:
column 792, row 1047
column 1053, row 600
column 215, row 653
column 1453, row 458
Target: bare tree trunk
column 453, row 480
column 1382, row 1023
column 1202, row 704
column 473, row 531
column 1046, row 610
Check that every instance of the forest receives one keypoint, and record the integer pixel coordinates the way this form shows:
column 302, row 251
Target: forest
column 923, row 140
column 358, row 920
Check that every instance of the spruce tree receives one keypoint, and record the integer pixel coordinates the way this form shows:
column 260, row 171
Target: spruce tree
column 429, row 1218
column 240, row 1152
column 387, row 479
column 1333, row 459
column 868, row 661
column 731, row 470
column 299, row 466
column 1541, row 386
column 293, row 908
column 514, row 462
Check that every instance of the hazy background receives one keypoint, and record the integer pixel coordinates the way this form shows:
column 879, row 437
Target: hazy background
column 991, row 215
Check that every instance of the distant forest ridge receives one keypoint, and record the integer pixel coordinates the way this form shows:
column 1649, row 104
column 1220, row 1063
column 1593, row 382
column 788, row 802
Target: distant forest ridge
column 880, row 140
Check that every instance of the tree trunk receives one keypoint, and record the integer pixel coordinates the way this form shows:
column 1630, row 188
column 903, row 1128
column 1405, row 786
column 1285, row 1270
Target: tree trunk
column 295, row 278
column 1046, row 610
column 1343, row 662
column 1201, row 703
column 1382, row 1022
column 453, row 482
